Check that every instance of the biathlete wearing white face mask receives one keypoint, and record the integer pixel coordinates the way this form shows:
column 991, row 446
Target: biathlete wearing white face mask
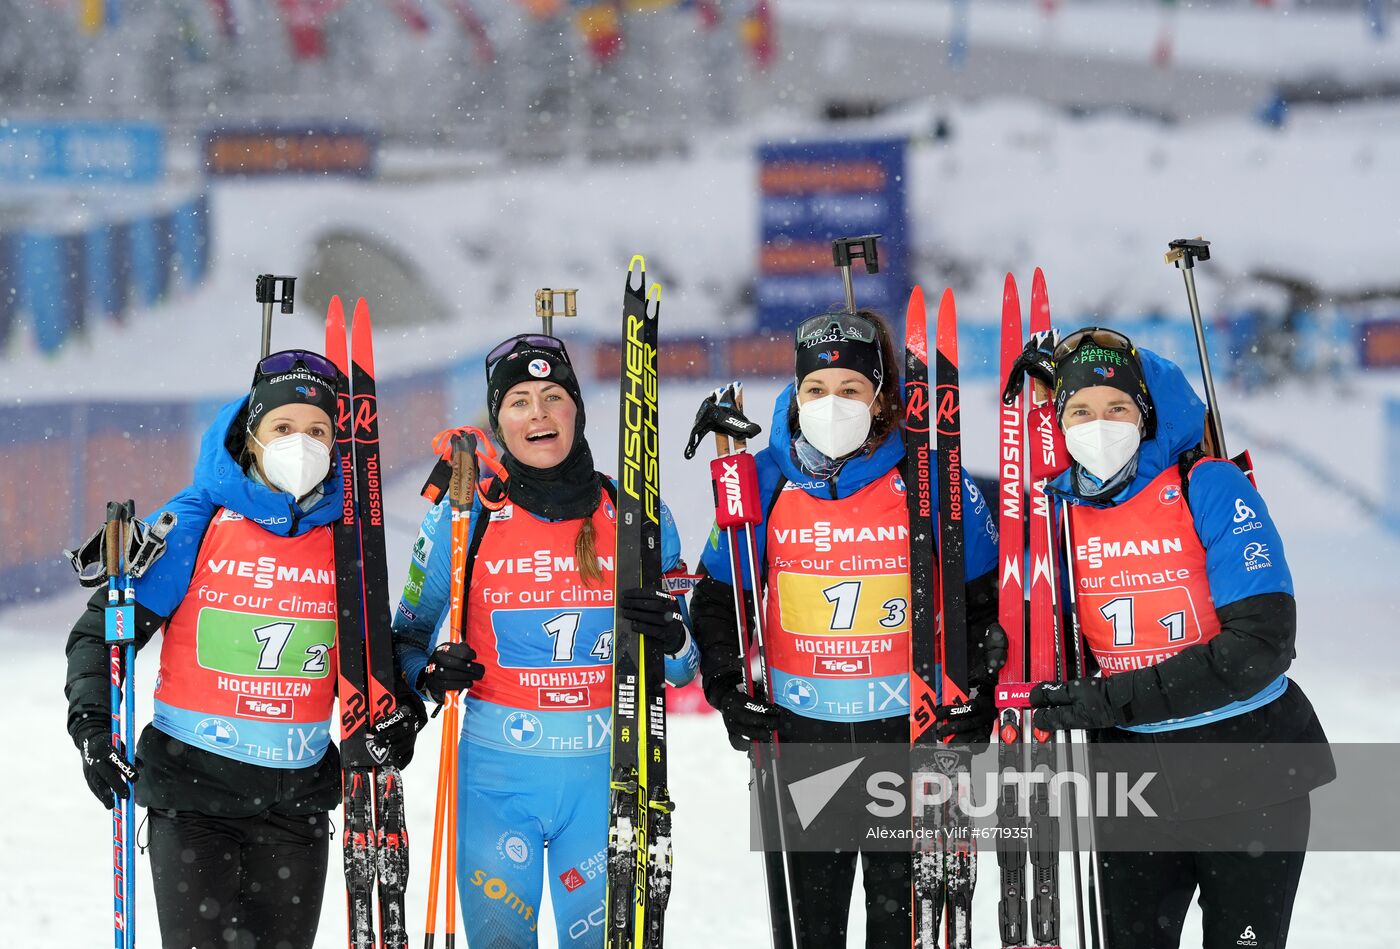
column 1105, row 449
column 295, row 463
column 834, row 425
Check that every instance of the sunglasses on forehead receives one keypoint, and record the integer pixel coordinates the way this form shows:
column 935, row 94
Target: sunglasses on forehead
column 278, row 363
column 1104, row 338
column 525, row 341
column 818, row 329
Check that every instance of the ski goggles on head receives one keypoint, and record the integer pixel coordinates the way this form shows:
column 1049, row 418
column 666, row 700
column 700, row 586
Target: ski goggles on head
column 1103, row 338
column 277, row 364
column 835, row 328
column 527, row 341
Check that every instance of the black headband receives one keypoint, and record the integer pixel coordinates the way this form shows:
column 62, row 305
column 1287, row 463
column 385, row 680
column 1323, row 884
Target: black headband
column 300, row 385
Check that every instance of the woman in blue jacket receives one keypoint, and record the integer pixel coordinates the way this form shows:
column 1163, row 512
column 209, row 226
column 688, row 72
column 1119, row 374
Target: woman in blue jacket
column 833, row 553
column 237, row 769
column 1182, row 592
column 536, row 655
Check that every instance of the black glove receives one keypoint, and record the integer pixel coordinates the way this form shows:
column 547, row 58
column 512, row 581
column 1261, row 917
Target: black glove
column 746, row 719
column 451, row 668
column 987, row 654
column 1079, row 703
column 657, row 616
column 106, row 771
column 391, row 739
column 968, row 723
column 1037, row 360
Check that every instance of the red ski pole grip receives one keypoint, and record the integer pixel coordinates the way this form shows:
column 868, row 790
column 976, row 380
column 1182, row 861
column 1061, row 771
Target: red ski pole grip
column 736, row 490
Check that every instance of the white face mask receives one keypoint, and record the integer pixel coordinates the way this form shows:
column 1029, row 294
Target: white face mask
column 835, row 426
column 1102, row 447
column 295, row 463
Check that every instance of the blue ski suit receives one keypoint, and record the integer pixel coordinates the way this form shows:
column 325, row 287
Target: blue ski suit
column 534, row 771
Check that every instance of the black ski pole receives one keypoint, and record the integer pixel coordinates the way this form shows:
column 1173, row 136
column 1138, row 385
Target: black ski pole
column 1088, row 904
column 266, row 292
column 737, row 508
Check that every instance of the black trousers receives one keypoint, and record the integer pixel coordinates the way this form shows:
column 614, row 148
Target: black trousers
column 822, row 886
column 238, row 883
column 1246, row 898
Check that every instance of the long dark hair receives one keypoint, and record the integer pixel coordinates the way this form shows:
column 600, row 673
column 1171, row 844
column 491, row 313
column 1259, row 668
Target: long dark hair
column 890, row 408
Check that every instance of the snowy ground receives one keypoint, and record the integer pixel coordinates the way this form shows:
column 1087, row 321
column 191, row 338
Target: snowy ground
column 53, row 852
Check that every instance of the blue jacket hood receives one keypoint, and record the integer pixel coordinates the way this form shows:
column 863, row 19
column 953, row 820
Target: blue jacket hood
column 855, row 474
column 219, row 477
column 1181, row 423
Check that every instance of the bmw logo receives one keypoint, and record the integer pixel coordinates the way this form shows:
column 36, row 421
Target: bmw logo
column 897, row 485
column 538, row 368
column 800, row 694
column 217, row 733
column 1169, row 494
column 522, row 729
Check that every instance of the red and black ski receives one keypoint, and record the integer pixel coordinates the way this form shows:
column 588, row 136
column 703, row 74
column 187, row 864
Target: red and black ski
column 375, row 839
column 1047, row 458
column 924, row 672
column 1012, row 688
column 945, row 868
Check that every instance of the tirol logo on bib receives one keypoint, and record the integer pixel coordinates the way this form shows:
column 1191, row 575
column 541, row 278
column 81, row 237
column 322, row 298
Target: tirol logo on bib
column 247, row 665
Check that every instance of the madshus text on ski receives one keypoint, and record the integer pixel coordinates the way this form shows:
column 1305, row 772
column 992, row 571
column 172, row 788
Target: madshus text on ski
column 1125, row 592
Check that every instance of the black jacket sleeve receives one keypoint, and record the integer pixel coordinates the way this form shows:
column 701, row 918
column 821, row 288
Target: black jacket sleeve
column 1254, row 647
column 88, row 686
column 716, row 632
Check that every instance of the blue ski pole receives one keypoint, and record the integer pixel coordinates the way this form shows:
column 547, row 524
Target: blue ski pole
column 121, row 660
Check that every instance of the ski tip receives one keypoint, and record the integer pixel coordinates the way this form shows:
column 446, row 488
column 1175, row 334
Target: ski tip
column 916, row 299
column 654, row 301
column 948, row 326
column 335, row 335
column 638, row 266
column 1040, row 303
column 1009, row 291
column 362, row 337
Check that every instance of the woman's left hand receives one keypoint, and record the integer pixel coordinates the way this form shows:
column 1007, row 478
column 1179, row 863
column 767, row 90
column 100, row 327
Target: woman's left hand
column 656, row 615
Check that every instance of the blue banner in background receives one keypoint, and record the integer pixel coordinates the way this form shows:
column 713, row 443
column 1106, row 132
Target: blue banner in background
column 189, row 233
column 9, row 286
column 55, row 281
column 77, row 152
column 47, row 290
column 812, row 193
column 108, row 271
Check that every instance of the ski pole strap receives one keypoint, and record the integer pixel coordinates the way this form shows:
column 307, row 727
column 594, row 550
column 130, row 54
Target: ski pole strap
column 720, row 413
column 435, row 488
column 145, row 543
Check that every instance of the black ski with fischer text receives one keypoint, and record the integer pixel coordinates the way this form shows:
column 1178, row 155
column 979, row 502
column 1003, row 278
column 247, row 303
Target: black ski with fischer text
column 639, row 806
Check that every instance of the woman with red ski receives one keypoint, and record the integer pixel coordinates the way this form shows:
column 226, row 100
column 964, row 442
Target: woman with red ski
column 535, row 655
column 237, row 769
column 832, row 492
column 1178, row 585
